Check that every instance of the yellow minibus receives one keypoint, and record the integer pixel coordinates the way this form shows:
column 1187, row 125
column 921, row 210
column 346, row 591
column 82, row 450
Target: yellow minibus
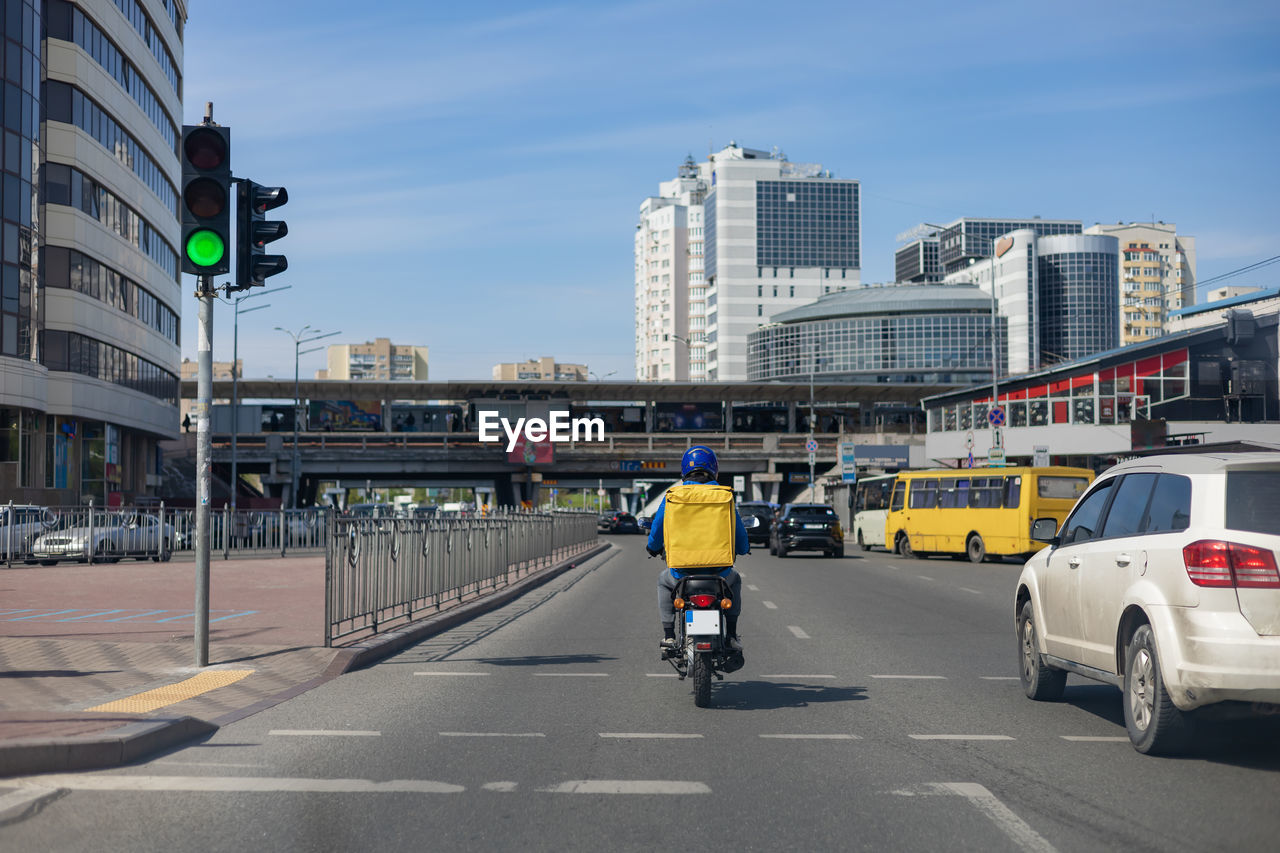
column 978, row 512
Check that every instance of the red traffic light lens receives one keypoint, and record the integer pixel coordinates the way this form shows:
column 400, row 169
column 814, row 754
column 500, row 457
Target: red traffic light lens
column 205, row 149
column 205, row 197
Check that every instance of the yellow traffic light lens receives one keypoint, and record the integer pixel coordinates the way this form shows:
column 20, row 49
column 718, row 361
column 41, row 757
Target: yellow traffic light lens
column 205, row 248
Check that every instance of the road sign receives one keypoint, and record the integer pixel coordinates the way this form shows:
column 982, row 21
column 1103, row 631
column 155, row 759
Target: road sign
column 1041, row 456
column 811, row 446
column 848, row 462
column 996, row 416
column 739, row 483
column 995, row 456
column 971, row 463
column 600, row 492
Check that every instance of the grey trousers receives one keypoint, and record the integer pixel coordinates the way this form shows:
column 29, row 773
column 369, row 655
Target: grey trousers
column 667, row 584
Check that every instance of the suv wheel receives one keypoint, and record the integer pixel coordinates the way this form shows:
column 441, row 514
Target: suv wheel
column 1156, row 726
column 1039, row 681
column 976, row 549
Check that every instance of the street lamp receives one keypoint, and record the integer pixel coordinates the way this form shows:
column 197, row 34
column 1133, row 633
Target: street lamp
column 600, row 378
column 305, row 335
column 235, row 379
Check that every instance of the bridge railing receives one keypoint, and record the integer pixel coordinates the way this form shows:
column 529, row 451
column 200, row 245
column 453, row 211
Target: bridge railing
column 380, row 571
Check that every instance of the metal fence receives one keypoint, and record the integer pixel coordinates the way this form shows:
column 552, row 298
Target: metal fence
column 48, row 535
column 386, row 570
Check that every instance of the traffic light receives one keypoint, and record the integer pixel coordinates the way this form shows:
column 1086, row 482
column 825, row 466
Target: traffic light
column 206, row 199
column 253, row 233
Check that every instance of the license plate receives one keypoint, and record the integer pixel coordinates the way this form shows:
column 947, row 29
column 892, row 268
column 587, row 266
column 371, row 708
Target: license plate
column 815, row 527
column 701, row 622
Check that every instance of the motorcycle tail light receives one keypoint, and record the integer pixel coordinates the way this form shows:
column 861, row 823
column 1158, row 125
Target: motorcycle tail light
column 678, row 603
column 702, row 600
column 702, row 647
column 725, row 604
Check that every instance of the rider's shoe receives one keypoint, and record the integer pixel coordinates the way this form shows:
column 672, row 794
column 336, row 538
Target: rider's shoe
column 668, row 647
column 734, row 643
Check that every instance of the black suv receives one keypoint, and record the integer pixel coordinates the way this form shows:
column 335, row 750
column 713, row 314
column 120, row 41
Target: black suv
column 764, row 512
column 807, row 527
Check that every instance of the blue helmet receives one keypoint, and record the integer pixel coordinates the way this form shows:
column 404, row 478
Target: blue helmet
column 702, row 457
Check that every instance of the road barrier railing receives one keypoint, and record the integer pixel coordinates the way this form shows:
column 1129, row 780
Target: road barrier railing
column 383, row 571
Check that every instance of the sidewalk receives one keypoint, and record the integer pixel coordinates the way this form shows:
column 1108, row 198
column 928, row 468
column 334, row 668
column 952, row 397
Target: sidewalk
column 97, row 663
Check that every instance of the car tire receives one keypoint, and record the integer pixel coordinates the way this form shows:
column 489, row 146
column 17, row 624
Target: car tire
column 782, row 551
column 976, row 549
column 861, row 544
column 904, row 546
column 773, row 549
column 1154, row 723
column 1039, row 681
column 839, row 553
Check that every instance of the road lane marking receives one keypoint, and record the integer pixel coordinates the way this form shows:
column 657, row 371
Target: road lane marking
column 232, row 784
column 814, row 737
column 1009, row 823
column 43, row 615
column 753, row 587
column 453, row 673
column 923, row 578
column 498, row 786
column 91, row 615
column 798, row 631
column 924, row 677
column 323, row 733
column 661, row 675
column 650, row 735
column 1088, row 739
column 171, row 694
column 492, row 734
column 770, row 605
column 16, row 802
column 627, row 786
column 974, row 591
column 790, row 675
column 136, row 615
column 999, row 677
column 571, row 674
column 960, row 737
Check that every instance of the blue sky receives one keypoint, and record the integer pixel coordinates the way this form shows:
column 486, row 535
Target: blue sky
column 467, row 176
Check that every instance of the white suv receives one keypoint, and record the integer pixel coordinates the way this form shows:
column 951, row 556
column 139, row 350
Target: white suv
column 1163, row 581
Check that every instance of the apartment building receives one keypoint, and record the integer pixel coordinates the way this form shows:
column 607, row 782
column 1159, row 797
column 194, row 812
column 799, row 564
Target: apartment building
column 378, row 360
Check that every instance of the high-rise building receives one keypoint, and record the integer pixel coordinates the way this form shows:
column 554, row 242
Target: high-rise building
column 1059, row 295
column 1158, row 275
column 378, row 360
column 545, row 369
column 745, row 234
column 936, row 251
column 89, row 347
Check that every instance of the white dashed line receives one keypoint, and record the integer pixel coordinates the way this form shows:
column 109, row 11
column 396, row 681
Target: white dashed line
column 627, row 786
column 770, row 605
column 923, row 677
column 753, row 587
column 998, row 677
column 798, row 631
column 504, row 787
column 1087, row 739
column 90, row 782
column 649, row 735
column 923, row 578
column 1009, row 823
column 813, row 737
column 322, row 733
column 974, row 591
column 571, row 674
column 960, row 737
column 453, row 673
column 660, row 675
column 492, row 734
column 792, row 675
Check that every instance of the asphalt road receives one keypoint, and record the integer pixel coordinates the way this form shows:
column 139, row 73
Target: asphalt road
column 879, row 710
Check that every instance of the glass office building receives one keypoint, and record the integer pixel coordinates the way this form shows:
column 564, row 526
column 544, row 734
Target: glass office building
column 1079, row 296
column 902, row 333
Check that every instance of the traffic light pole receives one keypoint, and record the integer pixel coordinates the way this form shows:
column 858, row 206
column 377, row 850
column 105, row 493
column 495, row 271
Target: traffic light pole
column 204, row 454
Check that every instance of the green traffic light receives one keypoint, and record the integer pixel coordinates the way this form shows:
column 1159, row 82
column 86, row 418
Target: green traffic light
column 205, row 248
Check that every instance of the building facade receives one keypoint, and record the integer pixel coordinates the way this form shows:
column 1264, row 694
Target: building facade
column 91, row 294
column 222, row 371
column 1059, row 295
column 1158, row 275
column 936, row 251
column 932, row 334
column 545, row 369
column 379, row 359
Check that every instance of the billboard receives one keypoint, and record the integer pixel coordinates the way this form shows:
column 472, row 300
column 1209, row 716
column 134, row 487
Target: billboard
column 345, row 415
column 528, row 452
column 883, row 455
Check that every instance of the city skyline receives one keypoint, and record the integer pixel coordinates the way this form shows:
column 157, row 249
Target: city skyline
column 492, row 162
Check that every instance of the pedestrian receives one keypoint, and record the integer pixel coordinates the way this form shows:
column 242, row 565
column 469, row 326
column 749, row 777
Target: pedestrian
column 186, row 422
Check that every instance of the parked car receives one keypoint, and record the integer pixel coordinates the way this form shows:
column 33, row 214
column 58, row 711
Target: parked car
column 763, row 511
column 624, row 522
column 1163, row 582
column 806, row 527
column 20, row 530
column 110, row 537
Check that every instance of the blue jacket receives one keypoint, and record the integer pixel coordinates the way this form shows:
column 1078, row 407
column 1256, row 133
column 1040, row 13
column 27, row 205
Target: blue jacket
column 741, row 545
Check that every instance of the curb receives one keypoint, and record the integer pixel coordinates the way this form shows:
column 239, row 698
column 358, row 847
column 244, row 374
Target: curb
column 135, row 741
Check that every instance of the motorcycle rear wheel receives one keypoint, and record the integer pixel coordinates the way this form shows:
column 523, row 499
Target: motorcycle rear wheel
column 701, row 673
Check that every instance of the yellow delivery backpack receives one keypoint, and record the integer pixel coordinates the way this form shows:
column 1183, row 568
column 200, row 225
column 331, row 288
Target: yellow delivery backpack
column 698, row 526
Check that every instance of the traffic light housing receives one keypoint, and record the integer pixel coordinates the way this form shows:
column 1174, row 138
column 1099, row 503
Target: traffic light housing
column 206, row 199
column 253, row 233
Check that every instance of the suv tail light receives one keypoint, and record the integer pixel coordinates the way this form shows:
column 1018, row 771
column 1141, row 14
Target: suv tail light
column 1213, row 562
column 701, row 600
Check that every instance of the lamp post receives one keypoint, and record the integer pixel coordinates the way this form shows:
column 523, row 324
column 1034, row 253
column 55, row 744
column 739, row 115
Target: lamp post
column 600, row 378
column 235, row 379
column 305, row 335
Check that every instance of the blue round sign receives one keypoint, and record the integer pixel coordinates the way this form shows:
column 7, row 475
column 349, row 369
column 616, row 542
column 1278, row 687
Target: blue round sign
column 996, row 416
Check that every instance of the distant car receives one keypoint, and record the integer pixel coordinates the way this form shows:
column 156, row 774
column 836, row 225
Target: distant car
column 806, row 527
column 21, row 530
column 1163, row 582
column 604, row 524
column 115, row 535
column 761, row 510
column 371, row 510
column 624, row 522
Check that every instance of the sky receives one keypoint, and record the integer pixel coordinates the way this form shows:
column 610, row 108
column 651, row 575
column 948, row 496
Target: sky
column 467, row 177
